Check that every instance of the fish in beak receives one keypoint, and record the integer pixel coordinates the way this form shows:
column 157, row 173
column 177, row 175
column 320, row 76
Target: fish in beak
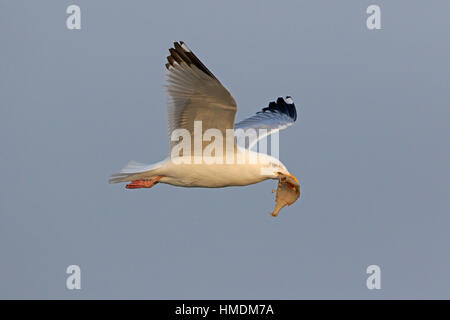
column 288, row 192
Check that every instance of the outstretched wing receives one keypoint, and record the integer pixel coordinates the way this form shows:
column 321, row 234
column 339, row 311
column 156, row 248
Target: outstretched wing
column 195, row 94
column 277, row 116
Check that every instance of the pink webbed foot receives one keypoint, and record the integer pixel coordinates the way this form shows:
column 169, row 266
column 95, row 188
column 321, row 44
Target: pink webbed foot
column 136, row 184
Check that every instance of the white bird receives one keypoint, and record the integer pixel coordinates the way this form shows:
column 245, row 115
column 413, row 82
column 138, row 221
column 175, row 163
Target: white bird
column 197, row 97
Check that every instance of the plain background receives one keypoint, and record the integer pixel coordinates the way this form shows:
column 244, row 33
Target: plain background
column 370, row 148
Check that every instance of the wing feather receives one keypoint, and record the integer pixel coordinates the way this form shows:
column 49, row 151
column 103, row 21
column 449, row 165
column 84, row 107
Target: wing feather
column 195, row 94
column 277, row 116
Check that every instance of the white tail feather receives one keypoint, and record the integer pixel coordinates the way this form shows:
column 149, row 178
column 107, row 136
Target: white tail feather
column 134, row 170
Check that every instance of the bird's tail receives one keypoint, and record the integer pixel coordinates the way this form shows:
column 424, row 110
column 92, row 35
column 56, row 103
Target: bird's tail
column 134, row 171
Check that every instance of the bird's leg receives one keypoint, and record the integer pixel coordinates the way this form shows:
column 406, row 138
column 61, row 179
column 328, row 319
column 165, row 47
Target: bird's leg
column 136, row 184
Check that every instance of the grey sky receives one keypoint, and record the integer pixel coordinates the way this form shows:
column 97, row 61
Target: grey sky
column 370, row 148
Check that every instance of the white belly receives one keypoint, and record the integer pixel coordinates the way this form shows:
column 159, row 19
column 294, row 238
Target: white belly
column 186, row 173
column 211, row 175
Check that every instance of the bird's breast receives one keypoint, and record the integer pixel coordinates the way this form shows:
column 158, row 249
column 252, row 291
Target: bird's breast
column 212, row 175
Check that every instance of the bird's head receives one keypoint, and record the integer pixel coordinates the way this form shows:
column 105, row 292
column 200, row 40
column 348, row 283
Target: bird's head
column 274, row 168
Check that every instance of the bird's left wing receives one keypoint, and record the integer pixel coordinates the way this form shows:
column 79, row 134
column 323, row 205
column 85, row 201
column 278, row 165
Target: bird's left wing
column 277, row 116
column 195, row 94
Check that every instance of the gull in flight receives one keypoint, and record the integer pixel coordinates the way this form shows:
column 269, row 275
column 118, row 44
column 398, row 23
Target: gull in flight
column 206, row 149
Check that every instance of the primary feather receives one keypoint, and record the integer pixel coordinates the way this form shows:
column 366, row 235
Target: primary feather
column 277, row 116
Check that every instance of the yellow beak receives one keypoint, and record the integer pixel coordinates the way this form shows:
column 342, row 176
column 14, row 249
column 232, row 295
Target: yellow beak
column 293, row 177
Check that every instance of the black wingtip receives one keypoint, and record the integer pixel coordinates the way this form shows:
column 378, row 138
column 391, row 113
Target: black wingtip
column 283, row 105
column 180, row 53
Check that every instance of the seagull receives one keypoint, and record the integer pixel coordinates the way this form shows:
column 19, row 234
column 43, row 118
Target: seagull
column 198, row 104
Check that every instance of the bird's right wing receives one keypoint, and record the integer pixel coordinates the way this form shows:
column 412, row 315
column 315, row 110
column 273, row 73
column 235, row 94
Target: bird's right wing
column 277, row 116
